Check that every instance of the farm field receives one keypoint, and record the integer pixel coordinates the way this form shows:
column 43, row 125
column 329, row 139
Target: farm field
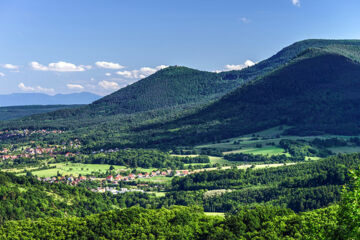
column 271, row 150
column 158, row 179
column 266, row 143
column 74, row 169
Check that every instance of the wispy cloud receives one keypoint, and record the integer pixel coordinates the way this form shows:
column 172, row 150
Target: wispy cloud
column 2, row 74
column 59, row 67
column 296, row 2
column 108, row 65
column 10, row 66
column 74, row 86
column 141, row 73
column 107, row 85
column 108, row 74
column 35, row 89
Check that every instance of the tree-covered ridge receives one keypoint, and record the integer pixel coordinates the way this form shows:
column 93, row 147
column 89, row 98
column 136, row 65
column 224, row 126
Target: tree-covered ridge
column 171, row 86
column 300, row 187
column 262, row 222
column 15, row 112
column 180, row 223
column 176, row 85
column 28, row 198
column 145, row 158
column 316, row 94
column 349, row 48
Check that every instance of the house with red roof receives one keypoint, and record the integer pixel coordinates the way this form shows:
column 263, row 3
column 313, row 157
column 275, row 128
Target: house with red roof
column 82, row 178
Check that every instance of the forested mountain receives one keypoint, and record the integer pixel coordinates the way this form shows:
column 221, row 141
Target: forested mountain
column 318, row 92
column 15, row 112
column 314, row 87
column 180, row 86
column 349, row 48
column 168, row 87
column 22, row 99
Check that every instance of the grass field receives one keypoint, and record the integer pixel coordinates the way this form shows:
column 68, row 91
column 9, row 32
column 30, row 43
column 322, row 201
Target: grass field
column 74, row 169
column 158, row 194
column 159, row 179
column 218, row 214
column 270, row 150
column 248, row 143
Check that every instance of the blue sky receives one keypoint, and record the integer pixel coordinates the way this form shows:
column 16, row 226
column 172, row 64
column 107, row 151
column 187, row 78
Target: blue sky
column 101, row 45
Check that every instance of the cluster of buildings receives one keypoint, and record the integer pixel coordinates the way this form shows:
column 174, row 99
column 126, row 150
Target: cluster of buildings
column 39, row 150
column 132, row 176
column 114, row 190
column 70, row 180
column 29, row 152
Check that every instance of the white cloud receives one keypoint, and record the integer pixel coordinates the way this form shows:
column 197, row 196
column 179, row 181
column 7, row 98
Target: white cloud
column 296, row 2
column 108, row 65
column 249, row 63
column 2, row 74
column 108, row 74
column 140, row 73
column 10, row 66
column 35, row 89
column 245, row 20
column 161, row 67
column 230, row 67
column 59, row 67
column 108, row 85
column 74, row 86
column 38, row 66
column 126, row 74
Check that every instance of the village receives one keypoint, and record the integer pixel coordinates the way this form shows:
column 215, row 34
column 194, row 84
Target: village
column 12, row 152
column 111, row 183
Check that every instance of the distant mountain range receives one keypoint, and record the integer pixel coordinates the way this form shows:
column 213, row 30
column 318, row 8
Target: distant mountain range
column 23, row 99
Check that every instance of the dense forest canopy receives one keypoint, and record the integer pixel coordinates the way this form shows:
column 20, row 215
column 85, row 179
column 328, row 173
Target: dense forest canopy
column 334, row 222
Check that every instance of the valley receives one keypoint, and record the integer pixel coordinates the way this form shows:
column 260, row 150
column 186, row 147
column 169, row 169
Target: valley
column 203, row 152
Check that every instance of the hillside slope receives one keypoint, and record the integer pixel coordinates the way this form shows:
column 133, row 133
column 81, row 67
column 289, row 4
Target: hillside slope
column 319, row 92
column 348, row 48
column 168, row 87
column 178, row 86
column 15, row 112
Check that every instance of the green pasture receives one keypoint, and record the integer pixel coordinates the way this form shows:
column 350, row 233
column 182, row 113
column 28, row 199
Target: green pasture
column 158, row 179
column 74, row 169
column 267, row 150
column 217, row 214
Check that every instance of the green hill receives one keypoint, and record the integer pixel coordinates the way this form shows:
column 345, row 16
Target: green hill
column 180, row 86
column 318, row 92
column 349, row 48
column 15, row 112
column 311, row 85
column 168, row 87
